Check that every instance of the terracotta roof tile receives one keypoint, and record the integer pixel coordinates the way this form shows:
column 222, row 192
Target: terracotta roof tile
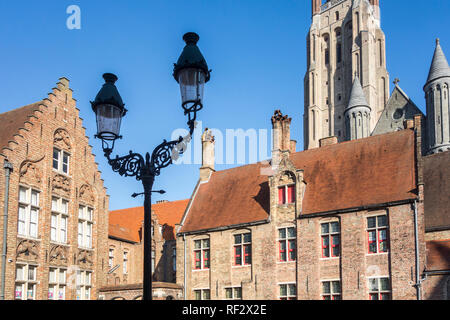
column 368, row 171
column 11, row 121
column 131, row 219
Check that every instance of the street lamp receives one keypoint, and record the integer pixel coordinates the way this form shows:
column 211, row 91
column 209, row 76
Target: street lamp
column 191, row 72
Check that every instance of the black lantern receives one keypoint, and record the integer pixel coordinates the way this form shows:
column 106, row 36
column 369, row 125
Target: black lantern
column 191, row 72
column 109, row 109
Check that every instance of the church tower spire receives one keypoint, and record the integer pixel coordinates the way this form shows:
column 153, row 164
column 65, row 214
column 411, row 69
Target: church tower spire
column 438, row 102
column 357, row 114
column 345, row 41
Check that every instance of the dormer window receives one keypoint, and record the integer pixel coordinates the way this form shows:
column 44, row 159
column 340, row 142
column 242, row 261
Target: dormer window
column 286, row 194
column 60, row 161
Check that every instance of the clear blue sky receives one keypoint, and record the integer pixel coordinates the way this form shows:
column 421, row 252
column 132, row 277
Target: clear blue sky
column 256, row 49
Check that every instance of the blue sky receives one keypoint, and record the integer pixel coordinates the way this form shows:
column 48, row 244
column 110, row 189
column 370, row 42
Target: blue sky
column 256, row 49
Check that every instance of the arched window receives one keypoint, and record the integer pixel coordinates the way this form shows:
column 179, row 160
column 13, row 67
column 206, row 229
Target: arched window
column 337, row 15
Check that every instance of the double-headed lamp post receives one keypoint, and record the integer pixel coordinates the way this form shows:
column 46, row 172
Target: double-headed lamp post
column 191, row 72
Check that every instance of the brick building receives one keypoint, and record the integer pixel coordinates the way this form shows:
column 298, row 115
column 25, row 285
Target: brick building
column 125, row 250
column 56, row 204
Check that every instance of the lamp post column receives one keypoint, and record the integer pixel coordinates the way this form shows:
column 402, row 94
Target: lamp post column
column 147, row 182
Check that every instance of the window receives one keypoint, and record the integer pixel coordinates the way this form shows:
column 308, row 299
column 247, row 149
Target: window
column 242, row 249
column 153, row 260
column 125, row 262
column 330, row 239
column 201, row 254
column 25, row 287
column 111, row 258
column 287, row 244
column 288, row 291
column 28, row 212
column 85, row 217
column 202, row 294
column 84, row 283
column 331, row 290
column 60, row 161
column 327, row 57
column 379, row 289
column 57, row 284
column 58, row 225
column 233, row 293
column 338, row 52
column 174, row 259
column 286, row 194
column 377, row 234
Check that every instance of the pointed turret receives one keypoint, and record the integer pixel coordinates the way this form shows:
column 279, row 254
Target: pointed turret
column 438, row 103
column 439, row 66
column 357, row 113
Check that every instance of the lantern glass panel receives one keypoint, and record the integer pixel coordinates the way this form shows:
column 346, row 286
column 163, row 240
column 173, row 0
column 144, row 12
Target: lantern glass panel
column 108, row 121
column 192, row 82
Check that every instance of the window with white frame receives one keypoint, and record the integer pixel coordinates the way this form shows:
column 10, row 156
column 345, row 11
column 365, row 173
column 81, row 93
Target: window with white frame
column 377, row 234
column 61, row 160
column 286, row 244
column 25, row 285
column 57, row 284
column 202, row 294
column 243, row 249
column 111, row 258
column 331, row 290
column 84, row 284
column 286, row 194
column 379, row 288
column 233, row 293
column 125, row 262
column 85, row 217
column 288, row 291
column 59, row 218
column 28, row 212
column 201, row 254
column 331, row 239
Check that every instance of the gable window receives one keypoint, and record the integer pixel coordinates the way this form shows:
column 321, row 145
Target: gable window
column 28, row 212
column 242, row 249
column 377, row 234
column 59, row 218
column 331, row 290
column 202, row 294
column 331, row 239
column 287, row 244
column 61, row 160
column 379, row 289
column 85, row 217
column 25, row 287
column 286, row 194
column 201, row 254
column 84, row 284
column 57, row 284
column 288, row 291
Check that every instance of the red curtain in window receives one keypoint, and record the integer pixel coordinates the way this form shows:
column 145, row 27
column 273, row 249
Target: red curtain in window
column 281, row 195
column 291, row 194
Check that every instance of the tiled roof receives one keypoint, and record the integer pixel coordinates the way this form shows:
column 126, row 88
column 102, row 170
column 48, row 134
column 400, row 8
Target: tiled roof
column 11, row 121
column 363, row 172
column 131, row 220
column 438, row 253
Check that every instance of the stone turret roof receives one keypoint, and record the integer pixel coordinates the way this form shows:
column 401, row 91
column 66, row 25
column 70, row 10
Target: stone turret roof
column 357, row 97
column 439, row 67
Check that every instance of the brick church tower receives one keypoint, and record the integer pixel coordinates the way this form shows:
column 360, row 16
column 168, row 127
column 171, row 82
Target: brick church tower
column 345, row 42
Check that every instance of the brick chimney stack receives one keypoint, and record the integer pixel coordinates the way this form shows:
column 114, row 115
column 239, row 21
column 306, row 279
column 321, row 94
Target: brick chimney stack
column 208, row 157
column 281, row 130
column 376, row 8
column 316, row 4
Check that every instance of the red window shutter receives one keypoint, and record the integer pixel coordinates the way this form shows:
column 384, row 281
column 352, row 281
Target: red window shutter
column 281, row 195
column 291, row 194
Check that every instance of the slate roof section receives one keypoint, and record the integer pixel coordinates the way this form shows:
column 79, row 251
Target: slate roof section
column 131, row 220
column 357, row 97
column 363, row 172
column 439, row 66
column 12, row 121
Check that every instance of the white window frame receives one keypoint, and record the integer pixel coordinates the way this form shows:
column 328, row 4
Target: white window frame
column 286, row 240
column 111, row 258
column 85, row 226
column 202, row 293
column 60, row 160
column 332, row 294
column 60, row 232
column 289, row 295
column 26, row 209
column 84, row 285
column 25, row 282
column 379, row 292
column 58, row 285
column 234, row 296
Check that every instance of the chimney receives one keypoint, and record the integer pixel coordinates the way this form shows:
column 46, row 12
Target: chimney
column 293, row 148
column 316, row 6
column 328, row 141
column 376, row 8
column 281, row 130
column 207, row 155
